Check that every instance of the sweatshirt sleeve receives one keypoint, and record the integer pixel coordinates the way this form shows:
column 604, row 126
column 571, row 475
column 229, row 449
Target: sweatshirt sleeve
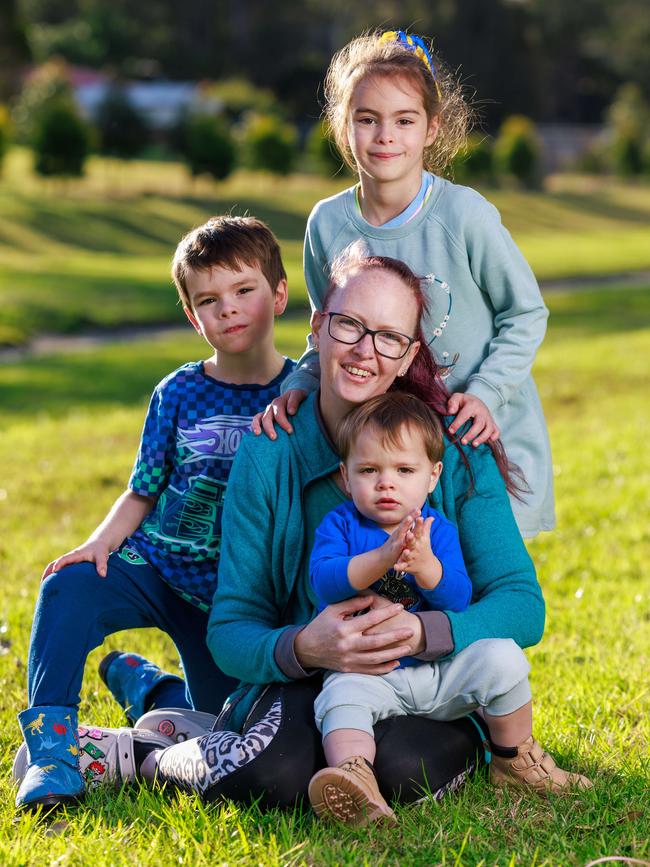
column 454, row 590
column 330, row 556
column 520, row 315
column 245, row 621
column 507, row 599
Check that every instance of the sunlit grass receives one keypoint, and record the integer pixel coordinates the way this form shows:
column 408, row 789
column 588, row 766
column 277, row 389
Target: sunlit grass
column 68, row 436
column 96, row 251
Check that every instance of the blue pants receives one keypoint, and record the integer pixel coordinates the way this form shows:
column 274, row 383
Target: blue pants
column 76, row 610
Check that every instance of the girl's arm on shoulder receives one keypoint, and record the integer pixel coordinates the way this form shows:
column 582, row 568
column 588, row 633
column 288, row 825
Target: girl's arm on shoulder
column 500, row 270
column 508, row 600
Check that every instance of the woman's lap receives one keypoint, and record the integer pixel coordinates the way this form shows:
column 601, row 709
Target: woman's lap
column 280, row 750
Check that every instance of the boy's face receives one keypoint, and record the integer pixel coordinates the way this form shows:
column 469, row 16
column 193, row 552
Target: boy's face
column 386, row 482
column 234, row 310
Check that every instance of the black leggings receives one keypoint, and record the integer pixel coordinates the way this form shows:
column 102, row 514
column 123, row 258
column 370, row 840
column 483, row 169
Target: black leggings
column 280, row 750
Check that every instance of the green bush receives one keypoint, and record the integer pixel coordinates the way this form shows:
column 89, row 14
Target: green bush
column 61, row 141
column 475, row 161
column 236, row 97
column 5, row 133
column 324, row 152
column 517, row 150
column 271, row 144
column 628, row 124
column 208, row 146
column 46, row 85
column 123, row 132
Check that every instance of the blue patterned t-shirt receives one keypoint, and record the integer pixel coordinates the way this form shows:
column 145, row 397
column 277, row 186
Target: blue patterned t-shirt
column 193, row 429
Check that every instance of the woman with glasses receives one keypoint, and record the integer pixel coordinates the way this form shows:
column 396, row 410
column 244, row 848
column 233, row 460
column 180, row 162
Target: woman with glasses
column 263, row 627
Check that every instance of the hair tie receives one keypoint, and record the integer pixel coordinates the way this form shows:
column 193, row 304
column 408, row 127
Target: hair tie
column 414, row 44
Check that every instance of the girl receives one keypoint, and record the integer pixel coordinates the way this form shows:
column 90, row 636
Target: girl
column 399, row 117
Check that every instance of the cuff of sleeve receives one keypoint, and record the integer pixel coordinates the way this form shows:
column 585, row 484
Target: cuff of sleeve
column 285, row 655
column 490, row 395
column 438, row 640
column 300, row 378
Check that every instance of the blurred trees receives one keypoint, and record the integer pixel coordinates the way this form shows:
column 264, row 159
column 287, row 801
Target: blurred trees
column 547, row 59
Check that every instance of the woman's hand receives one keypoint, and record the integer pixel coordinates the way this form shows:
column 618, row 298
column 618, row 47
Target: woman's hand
column 277, row 412
column 403, row 619
column 370, row 643
column 465, row 406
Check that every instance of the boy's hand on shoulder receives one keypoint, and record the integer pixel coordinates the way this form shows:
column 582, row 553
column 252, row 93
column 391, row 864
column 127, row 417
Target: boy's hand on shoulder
column 465, row 406
column 417, row 556
column 278, row 412
column 93, row 551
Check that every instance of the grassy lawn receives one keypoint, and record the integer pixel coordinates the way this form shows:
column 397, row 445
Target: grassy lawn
column 96, row 252
column 69, row 429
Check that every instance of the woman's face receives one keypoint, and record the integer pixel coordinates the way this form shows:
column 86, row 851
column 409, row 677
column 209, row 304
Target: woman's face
column 353, row 373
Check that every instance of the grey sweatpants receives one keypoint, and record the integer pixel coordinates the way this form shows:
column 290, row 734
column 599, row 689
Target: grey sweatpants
column 491, row 673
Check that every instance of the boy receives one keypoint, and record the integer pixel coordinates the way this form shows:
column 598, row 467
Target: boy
column 155, row 554
column 391, row 541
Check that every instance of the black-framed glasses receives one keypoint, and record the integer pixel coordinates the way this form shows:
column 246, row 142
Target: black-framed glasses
column 346, row 329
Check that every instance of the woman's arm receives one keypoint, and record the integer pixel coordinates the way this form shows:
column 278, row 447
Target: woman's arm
column 508, row 600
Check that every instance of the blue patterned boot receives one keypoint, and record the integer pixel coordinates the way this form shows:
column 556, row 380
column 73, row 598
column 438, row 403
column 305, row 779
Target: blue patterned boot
column 53, row 777
column 131, row 678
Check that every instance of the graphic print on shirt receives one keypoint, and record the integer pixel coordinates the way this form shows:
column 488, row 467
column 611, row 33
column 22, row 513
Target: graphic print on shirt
column 189, row 521
column 394, row 586
column 216, row 437
column 439, row 299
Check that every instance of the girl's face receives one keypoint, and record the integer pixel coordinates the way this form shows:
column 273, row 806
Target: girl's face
column 353, row 373
column 388, row 130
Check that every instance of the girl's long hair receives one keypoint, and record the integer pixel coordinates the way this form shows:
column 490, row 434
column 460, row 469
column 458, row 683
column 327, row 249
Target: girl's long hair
column 423, row 378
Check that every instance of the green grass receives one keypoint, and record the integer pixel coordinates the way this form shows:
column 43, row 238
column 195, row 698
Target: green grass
column 96, row 251
column 69, row 431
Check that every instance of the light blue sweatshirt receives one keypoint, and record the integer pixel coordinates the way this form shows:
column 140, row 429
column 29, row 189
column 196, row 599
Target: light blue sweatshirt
column 485, row 319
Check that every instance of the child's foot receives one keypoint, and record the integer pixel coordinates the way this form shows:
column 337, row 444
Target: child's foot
column 349, row 793
column 132, row 678
column 532, row 768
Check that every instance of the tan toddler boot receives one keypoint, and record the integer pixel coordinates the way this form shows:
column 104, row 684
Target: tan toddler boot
column 529, row 767
column 349, row 793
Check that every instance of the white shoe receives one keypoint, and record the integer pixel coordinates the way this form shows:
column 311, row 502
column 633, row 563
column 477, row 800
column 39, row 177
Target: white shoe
column 105, row 754
column 177, row 723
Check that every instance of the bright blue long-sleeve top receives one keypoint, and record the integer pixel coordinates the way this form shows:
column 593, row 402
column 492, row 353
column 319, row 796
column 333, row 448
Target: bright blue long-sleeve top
column 345, row 532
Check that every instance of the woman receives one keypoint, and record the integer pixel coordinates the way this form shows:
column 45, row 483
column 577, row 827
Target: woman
column 261, row 628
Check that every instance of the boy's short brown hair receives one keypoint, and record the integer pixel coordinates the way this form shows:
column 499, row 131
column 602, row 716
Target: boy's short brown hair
column 388, row 414
column 228, row 242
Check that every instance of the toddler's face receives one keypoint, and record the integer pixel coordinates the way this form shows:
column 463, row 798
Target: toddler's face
column 387, row 482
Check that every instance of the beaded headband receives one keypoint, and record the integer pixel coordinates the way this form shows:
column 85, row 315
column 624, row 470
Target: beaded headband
column 414, row 44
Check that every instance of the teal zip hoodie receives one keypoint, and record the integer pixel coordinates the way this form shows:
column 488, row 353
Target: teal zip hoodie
column 263, row 588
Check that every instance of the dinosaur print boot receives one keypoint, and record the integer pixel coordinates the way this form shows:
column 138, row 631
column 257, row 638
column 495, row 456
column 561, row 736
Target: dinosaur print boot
column 53, row 777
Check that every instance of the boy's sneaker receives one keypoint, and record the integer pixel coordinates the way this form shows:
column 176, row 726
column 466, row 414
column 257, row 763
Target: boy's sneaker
column 349, row 793
column 131, row 678
column 177, row 723
column 104, row 755
column 532, row 768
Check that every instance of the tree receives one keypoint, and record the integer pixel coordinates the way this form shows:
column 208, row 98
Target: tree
column 208, row 146
column 123, row 132
column 61, row 141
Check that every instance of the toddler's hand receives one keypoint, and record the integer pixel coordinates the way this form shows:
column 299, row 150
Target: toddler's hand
column 94, row 551
column 466, row 406
column 277, row 412
column 417, row 556
column 394, row 545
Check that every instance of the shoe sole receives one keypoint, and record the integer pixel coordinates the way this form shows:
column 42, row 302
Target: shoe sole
column 106, row 661
column 333, row 796
column 49, row 804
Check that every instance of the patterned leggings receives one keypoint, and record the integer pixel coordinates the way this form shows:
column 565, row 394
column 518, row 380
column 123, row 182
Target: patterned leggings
column 280, row 749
